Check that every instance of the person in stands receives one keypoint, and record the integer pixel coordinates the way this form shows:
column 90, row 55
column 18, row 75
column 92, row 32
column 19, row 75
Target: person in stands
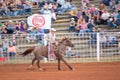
column 11, row 50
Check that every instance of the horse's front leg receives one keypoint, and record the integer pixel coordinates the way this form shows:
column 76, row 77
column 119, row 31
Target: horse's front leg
column 67, row 64
column 59, row 67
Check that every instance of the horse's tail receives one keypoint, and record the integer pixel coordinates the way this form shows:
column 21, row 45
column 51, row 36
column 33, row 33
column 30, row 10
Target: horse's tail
column 28, row 51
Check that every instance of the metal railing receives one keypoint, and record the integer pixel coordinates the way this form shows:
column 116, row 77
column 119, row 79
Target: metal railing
column 89, row 47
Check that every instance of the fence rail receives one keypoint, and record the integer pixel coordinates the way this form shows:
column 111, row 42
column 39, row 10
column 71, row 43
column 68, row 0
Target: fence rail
column 89, row 47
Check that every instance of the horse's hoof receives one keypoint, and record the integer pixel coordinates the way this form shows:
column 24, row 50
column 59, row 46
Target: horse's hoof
column 73, row 69
column 31, row 67
column 41, row 69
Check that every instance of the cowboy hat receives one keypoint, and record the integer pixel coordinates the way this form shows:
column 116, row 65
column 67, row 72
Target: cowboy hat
column 52, row 29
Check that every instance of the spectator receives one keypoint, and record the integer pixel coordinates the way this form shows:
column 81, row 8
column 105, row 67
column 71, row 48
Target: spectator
column 117, row 2
column 91, row 25
column 2, row 57
column 86, row 16
column 46, row 11
column 36, row 3
column 31, row 37
column 23, row 1
column 1, row 51
column 49, row 1
column 92, row 9
column 118, row 18
column 10, row 27
column 45, row 6
column 27, row 7
column 96, row 16
column 112, row 39
column 3, row 29
column 17, row 26
column 103, row 39
column 65, row 6
column 1, row 48
column 104, row 17
column 111, row 22
column 53, row 16
column 60, row 2
column 55, row 7
column 5, row 45
column 92, row 38
column 85, row 3
column 12, row 10
column 79, row 22
column 17, row 2
column 118, row 7
column 23, row 27
column 79, row 14
column 45, row 39
column 11, row 50
column 73, row 13
column 102, row 6
column 106, row 2
column 83, row 29
column 20, row 9
column 72, row 25
column 40, row 35
column 69, row 0
column 111, row 4
column 69, row 52
column 41, row 3
column 50, row 5
column 3, row 10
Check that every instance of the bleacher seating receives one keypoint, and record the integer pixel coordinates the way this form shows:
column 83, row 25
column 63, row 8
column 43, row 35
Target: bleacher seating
column 62, row 23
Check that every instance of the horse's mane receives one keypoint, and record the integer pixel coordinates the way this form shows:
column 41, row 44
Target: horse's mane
column 61, row 40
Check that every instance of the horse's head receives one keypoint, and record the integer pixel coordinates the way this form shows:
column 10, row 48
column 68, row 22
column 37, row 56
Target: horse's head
column 67, row 42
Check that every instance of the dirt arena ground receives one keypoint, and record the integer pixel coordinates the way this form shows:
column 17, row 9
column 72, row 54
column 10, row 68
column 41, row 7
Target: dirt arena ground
column 83, row 71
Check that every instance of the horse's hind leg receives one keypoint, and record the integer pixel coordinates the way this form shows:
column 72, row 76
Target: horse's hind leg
column 38, row 64
column 67, row 64
column 31, row 66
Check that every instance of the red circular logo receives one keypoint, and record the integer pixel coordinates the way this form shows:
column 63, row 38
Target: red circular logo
column 38, row 21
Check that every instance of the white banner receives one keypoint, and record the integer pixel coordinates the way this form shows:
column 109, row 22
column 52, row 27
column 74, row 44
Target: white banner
column 39, row 21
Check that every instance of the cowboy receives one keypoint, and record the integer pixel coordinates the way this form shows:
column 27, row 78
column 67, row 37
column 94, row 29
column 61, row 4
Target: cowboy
column 51, row 44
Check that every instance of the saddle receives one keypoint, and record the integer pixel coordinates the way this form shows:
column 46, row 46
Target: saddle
column 55, row 47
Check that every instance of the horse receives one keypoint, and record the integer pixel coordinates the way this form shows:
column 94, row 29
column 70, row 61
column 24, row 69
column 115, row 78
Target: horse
column 59, row 51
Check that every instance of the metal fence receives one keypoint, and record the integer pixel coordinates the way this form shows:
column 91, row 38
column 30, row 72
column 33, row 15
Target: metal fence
column 89, row 47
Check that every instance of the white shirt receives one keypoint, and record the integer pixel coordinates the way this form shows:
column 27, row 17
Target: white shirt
column 105, row 16
column 35, row 0
column 60, row 1
column 102, row 38
column 53, row 15
column 45, row 39
column 66, row 5
column 50, row 37
column 47, row 12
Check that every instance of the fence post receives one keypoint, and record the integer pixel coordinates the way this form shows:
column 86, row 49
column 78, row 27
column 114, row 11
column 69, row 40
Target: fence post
column 8, row 57
column 98, row 47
